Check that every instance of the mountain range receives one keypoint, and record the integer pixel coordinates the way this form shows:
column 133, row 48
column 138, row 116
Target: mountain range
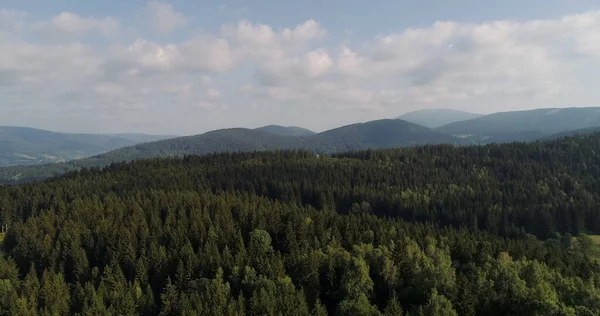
column 386, row 133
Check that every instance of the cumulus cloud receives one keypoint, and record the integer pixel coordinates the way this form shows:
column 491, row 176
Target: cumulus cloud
column 483, row 67
column 164, row 18
column 259, row 41
column 144, row 57
column 452, row 62
column 295, row 70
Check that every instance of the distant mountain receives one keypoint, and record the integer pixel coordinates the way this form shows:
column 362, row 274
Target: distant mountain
column 286, row 130
column 433, row 118
column 23, row 145
column 523, row 125
column 375, row 134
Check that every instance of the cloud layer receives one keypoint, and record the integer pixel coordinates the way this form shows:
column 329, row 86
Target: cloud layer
column 248, row 73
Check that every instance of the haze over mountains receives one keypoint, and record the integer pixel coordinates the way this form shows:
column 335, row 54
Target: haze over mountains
column 523, row 125
column 433, row 118
column 386, row 133
column 23, row 145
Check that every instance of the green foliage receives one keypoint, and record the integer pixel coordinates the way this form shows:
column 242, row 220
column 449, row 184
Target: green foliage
column 260, row 242
column 436, row 230
column 438, row 305
column 359, row 306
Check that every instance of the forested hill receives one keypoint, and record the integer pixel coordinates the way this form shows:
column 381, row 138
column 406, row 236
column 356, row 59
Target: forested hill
column 432, row 230
column 374, row 134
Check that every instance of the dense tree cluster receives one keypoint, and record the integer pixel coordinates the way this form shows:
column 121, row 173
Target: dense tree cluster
column 434, row 230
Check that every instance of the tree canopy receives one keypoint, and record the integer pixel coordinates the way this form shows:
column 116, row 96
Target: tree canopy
column 432, row 230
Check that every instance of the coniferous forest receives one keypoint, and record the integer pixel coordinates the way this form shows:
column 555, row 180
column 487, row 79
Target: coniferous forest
column 500, row 229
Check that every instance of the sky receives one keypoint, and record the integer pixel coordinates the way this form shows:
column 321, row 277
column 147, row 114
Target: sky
column 187, row 67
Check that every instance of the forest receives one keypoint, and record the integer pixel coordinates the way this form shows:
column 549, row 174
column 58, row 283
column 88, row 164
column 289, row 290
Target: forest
column 497, row 229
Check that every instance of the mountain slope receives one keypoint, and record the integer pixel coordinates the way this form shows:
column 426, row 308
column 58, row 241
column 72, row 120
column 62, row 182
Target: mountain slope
column 23, row 145
column 542, row 120
column 385, row 133
column 286, row 130
column 523, row 125
column 433, row 118
column 375, row 134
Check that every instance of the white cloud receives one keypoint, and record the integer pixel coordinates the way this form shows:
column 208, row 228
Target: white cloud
column 318, row 63
column 295, row 70
column 213, row 93
column 451, row 63
column 164, row 18
column 304, row 32
column 198, row 54
column 251, row 34
column 483, row 67
column 260, row 41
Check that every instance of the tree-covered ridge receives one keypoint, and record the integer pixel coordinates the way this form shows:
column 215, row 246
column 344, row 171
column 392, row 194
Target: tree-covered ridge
column 374, row 134
column 434, row 230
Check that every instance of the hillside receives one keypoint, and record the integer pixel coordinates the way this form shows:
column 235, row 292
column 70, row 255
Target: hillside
column 524, row 125
column 433, row 118
column 22, row 145
column 375, row 134
column 286, row 130
column 498, row 229
column 387, row 133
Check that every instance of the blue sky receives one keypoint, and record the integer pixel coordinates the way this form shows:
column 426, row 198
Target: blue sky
column 186, row 67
